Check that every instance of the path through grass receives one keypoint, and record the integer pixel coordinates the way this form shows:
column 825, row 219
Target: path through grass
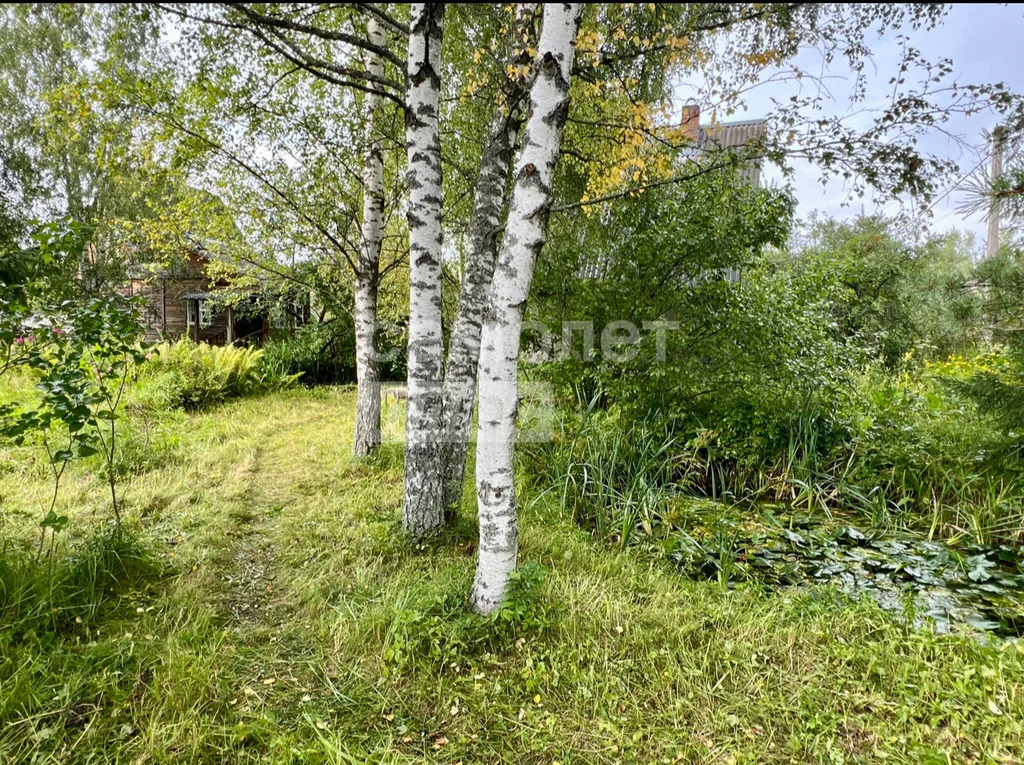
column 298, row 627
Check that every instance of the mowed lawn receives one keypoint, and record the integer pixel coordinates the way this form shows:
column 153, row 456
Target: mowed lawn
column 289, row 622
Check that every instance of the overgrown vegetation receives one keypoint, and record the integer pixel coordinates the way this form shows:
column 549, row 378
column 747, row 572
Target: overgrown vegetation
column 856, row 374
column 299, row 627
column 321, row 354
column 779, row 516
column 196, row 376
column 62, row 599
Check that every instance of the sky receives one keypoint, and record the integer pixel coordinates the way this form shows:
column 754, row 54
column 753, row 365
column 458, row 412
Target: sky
column 986, row 44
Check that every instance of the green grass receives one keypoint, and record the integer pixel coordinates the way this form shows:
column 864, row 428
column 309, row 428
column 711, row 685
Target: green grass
column 299, row 627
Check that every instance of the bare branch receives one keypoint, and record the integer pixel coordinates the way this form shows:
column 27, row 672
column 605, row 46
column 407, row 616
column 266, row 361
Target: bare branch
column 255, row 173
column 391, row 21
column 317, row 67
column 276, row 22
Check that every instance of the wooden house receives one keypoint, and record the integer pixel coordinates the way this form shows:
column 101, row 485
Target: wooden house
column 182, row 301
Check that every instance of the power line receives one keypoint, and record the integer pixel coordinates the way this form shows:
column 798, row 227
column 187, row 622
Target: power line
column 956, row 185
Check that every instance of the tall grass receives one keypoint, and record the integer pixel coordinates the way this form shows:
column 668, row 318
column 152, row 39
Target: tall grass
column 619, row 477
column 59, row 592
column 362, row 648
column 615, row 480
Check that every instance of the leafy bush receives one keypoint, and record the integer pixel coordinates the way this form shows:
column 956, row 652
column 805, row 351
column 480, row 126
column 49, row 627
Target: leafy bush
column 749, row 365
column 321, row 353
column 887, row 296
column 804, row 381
column 431, row 626
column 994, row 380
column 898, row 451
column 925, row 456
column 196, row 376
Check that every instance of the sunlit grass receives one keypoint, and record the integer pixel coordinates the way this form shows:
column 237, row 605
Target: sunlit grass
column 300, row 627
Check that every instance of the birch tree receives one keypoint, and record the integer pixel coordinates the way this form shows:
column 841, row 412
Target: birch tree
column 423, row 507
column 484, row 224
column 367, row 435
column 348, row 49
column 503, row 318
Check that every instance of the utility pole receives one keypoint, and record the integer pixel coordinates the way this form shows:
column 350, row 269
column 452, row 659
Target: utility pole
column 998, row 139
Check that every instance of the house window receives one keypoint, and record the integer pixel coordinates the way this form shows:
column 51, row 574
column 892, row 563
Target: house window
column 201, row 310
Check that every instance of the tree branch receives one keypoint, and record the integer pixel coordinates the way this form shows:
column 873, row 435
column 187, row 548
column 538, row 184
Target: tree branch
column 322, row 69
column 276, row 22
column 261, row 178
column 638, row 189
column 391, row 21
column 319, row 68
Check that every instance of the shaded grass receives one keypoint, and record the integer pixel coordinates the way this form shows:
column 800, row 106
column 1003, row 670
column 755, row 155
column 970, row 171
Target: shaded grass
column 357, row 647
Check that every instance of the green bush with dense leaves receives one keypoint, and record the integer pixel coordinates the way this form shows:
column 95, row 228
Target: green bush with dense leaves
column 816, row 379
column 320, row 353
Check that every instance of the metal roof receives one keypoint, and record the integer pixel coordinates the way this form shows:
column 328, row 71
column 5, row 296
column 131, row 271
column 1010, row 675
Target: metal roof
column 736, row 136
column 732, row 135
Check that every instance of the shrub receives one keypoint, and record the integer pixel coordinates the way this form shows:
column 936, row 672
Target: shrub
column 994, row 380
column 197, row 376
column 613, row 477
column 322, row 353
column 430, row 627
column 899, row 451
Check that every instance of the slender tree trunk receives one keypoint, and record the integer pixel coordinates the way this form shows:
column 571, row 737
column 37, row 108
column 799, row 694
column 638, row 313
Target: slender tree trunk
column 503, row 319
column 367, row 435
column 423, row 511
column 484, row 223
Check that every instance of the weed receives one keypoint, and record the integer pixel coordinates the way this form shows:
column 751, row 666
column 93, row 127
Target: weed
column 363, row 649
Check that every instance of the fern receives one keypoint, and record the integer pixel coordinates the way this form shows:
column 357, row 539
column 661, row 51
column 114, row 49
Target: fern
column 197, row 376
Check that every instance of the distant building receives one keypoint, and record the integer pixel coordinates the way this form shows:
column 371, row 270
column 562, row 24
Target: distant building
column 742, row 137
column 182, row 301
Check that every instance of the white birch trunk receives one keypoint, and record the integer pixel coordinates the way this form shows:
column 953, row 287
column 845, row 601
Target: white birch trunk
column 484, row 223
column 510, row 287
column 423, row 511
column 367, row 435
